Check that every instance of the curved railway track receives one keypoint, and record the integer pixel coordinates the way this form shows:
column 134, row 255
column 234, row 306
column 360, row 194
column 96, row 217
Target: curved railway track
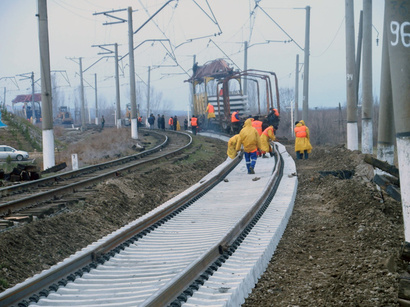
column 167, row 256
column 58, row 190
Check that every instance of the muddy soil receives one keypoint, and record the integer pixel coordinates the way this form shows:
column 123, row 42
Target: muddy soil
column 340, row 247
column 30, row 248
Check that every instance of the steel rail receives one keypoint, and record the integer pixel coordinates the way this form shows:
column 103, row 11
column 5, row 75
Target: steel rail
column 94, row 252
column 179, row 283
column 74, row 187
column 20, row 188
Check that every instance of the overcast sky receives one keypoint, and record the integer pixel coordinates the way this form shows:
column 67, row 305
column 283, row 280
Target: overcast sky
column 74, row 28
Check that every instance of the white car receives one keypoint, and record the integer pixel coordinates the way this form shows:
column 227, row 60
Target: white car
column 14, row 154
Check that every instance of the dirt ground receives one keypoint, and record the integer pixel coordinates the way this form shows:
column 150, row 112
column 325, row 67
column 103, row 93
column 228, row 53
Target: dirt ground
column 340, row 247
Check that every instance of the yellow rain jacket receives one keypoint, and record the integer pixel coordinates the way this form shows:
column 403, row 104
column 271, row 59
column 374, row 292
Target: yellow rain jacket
column 267, row 135
column 303, row 143
column 211, row 111
column 249, row 137
column 232, row 146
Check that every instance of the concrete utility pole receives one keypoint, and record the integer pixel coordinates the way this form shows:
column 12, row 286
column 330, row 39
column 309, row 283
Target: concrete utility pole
column 117, row 87
column 193, row 91
column 133, row 96
column 296, row 89
column 46, row 99
column 96, row 100
column 117, row 78
column 398, row 21
column 352, row 131
column 359, row 56
column 245, row 68
column 305, row 111
column 83, row 124
column 367, row 84
column 32, row 97
column 148, row 92
column 385, row 141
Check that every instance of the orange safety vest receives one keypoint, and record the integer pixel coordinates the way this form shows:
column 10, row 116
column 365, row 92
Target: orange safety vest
column 170, row 121
column 211, row 108
column 233, row 118
column 194, row 121
column 265, row 132
column 257, row 124
column 300, row 132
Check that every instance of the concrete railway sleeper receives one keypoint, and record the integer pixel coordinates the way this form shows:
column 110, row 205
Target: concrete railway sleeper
column 168, row 256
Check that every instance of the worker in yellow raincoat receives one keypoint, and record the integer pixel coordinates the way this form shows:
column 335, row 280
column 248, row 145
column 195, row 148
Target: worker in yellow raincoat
column 302, row 140
column 251, row 142
column 267, row 135
column 232, row 146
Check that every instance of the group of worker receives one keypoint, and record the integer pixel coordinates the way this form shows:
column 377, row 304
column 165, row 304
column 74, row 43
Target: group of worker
column 255, row 141
column 174, row 124
column 255, row 138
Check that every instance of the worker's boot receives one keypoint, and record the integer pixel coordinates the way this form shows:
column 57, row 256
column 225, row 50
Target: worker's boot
column 251, row 170
column 264, row 156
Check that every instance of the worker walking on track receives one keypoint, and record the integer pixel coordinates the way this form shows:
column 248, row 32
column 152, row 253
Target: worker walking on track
column 250, row 140
column 194, row 124
column 267, row 135
column 232, row 146
column 273, row 118
column 236, row 122
column 302, row 141
column 211, row 113
column 257, row 124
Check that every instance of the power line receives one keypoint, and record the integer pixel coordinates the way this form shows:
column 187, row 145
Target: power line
column 331, row 43
column 279, row 26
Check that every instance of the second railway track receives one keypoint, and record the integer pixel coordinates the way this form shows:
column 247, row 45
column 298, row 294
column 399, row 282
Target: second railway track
column 53, row 190
column 165, row 256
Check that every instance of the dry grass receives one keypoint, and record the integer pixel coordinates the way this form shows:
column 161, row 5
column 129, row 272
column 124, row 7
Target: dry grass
column 94, row 147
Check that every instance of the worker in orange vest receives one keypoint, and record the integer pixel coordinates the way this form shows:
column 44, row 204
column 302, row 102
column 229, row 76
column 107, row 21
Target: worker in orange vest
column 171, row 123
column 211, row 113
column 257, row 124
column 194, row 124
column 236, row 122
column 273, row 118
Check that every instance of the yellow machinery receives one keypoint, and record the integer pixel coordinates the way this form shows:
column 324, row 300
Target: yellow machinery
column 64, row 116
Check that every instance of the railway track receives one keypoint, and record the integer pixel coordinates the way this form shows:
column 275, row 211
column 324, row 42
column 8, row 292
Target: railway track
column 168, row 256
column 54, row 192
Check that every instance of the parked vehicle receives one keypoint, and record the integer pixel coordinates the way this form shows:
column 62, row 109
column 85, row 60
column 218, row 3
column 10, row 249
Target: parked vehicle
column 6, row 151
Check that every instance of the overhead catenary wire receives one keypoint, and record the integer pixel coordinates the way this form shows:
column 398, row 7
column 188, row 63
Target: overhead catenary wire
column 331, row 42
column 257, row 5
